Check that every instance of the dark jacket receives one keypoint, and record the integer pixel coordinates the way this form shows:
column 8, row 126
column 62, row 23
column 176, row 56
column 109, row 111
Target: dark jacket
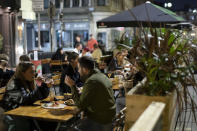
column 17, row 94
column 97, row 99
column 74, row 75
column 5, row 77
column 113, row 65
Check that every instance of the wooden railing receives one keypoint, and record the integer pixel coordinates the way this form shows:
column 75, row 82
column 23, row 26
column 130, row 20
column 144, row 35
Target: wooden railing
column 149, row 118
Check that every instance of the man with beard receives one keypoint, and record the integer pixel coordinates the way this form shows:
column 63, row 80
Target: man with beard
column 97, row 100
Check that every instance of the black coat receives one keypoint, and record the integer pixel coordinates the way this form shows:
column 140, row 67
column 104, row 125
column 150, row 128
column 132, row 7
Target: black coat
column 17, row 94
column 113, row 65
column 74, row 75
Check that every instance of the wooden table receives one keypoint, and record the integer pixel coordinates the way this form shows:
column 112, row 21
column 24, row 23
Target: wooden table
column 36, row 112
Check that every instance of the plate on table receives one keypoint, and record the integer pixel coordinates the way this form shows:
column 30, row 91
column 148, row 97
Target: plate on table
column 69, row 102
column 53, row 105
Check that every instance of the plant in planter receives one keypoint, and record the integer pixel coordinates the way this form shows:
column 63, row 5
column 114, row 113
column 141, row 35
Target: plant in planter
column 165, row 57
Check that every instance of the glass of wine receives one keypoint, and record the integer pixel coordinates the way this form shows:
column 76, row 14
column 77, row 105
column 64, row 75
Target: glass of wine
column 109, row 74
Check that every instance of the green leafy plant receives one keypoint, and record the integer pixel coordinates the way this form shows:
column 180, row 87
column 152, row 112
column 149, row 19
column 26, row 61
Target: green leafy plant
column 167, row 59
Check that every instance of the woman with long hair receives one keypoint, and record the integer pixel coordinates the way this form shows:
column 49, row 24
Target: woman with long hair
column 72, row 72
column 116, row 63
column 58, row 54
column 22, row 90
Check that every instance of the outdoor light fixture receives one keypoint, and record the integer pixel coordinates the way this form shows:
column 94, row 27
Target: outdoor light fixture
column 193, row 34
column 195, row 11
column 168, row 5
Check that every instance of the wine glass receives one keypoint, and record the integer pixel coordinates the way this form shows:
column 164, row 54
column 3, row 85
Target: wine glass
column 109, row 74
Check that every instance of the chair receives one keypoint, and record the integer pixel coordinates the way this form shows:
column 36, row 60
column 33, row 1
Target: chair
column 119, row 121
column 56, row 79
column 56, row 66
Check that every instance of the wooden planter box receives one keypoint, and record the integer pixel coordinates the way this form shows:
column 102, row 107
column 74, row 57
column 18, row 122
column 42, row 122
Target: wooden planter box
column 136, row 104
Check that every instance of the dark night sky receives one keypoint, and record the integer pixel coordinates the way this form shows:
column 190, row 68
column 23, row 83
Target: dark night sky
column 180, row 4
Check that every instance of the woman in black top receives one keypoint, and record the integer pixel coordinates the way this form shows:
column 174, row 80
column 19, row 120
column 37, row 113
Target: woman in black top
column 22, row 90
column 72, row 72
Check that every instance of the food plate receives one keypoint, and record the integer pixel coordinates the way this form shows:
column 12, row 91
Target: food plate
column 53, row 105
column 69, row 102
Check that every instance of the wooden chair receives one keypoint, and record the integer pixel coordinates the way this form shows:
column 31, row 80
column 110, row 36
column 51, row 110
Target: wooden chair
column 56, row 66
column 46, row 61
column 56, row 79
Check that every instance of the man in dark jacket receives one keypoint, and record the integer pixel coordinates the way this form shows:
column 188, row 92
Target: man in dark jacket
column 97, row 100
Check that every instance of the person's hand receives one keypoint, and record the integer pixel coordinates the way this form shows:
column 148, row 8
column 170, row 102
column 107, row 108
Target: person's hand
column 39, row 80
column 69, row 81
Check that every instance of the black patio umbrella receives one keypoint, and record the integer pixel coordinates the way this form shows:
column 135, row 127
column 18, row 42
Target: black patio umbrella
column 146, row 15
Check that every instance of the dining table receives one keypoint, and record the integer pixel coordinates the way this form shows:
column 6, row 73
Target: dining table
column 37, row 112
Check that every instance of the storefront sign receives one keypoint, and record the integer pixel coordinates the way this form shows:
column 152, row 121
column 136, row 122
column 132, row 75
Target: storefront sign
column 38, row 5
column 76, row 26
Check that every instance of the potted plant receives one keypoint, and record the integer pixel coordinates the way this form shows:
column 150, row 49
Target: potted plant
column 166, row 59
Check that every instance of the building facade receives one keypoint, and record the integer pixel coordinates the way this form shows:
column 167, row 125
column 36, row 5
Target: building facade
column 72, row 18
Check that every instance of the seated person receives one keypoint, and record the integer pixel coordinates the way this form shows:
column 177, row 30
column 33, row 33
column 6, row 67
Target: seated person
column 97, row 53
column 78, row 48
column 97, row 100
column 58, row 56
column 116, row 63
column 86, row 52
column 5, row 73
column 72, row 72
column 21, row 90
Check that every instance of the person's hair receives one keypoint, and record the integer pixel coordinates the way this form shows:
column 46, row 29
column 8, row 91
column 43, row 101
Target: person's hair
column 58, row 51
column 22, row 67
column 95, row 46
column 124, row 50
column 24, row 58
column 4, row 57
column 72, row 56
column 87, row 62
column 57, row 55
column 77, row 45
column 118, row 53
column 91, row 35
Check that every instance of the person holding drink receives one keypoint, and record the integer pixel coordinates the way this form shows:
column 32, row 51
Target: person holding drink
column 22, row 90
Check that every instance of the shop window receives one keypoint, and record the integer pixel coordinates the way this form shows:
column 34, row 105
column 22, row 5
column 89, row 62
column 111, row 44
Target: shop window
column 85, row 3
column 75, row 3
column 66, row 39
column 66, row 3
column 83, row 34
column 101, row 2
column 46, row 4
column 57, row 3
column 44, row 38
